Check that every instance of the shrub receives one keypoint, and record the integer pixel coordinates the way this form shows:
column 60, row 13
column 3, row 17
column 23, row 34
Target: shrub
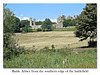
column 64, row 51
column 30, row 30
column 39, row 29
column 53, row 47
column 10, row 47
column 92, row 43
column 26, row 29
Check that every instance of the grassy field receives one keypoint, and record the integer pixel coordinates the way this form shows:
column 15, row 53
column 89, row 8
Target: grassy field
column 55, row 49
column 64, row 29
column 60, row 39
column 58, row 29
column 49, row 58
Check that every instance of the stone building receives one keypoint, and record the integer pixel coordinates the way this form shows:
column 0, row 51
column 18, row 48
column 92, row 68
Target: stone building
column 30, row 21
column 60, row 20
column 59, row 24
column 33, row 25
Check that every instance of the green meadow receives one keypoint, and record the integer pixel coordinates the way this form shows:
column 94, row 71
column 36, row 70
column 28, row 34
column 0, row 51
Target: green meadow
column 53, row 58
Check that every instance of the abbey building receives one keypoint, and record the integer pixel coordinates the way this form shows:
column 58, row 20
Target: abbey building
column 59, row 24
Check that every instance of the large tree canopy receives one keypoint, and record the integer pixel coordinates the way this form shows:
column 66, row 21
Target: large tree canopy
column 47, row 25
column 24, row 22
column 87, row 23
column 69, row 22
column 10, row 22
column 7, row 20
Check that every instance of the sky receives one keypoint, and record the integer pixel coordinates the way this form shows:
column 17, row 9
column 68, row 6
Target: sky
column 42, row 11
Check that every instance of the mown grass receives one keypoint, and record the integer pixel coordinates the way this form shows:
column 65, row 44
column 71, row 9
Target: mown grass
column 64, row 29
column 60, row 39
column 34, row 30
column 57, row 29
column 53, row 58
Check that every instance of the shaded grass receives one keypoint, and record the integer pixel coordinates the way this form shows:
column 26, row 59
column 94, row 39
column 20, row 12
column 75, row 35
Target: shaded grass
column 56, row 29
column 64, row 29
column 52, row 58
column 34, row 30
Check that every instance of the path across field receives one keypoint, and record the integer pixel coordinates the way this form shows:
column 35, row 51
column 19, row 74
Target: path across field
column 59, row 39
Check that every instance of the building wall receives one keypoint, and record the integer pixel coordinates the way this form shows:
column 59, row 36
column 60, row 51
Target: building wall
column 59, row 24
column 36, row 26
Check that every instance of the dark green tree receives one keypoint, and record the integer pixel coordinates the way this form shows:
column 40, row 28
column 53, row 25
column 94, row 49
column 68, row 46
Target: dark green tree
column 16, row 25
column 8, row 18
column 87, row 23
column 67, row 22
column 73, row 22
column 39, row 23
column 10, row 22
column 54, row 23
column 24, row 22
column 9, row 45
column 47, row 25
column 27, row 28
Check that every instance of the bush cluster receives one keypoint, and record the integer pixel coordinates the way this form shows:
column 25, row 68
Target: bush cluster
column 10, row 47
column 26, row 29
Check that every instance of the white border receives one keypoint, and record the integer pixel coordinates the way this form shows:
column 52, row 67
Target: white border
column 9, row 71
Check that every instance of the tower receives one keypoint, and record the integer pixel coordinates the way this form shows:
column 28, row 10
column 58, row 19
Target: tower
column 34, row 22
column 30, row 21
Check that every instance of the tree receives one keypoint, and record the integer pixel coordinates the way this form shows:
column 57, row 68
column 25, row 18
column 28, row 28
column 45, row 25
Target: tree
column 47, row 25
column 24, row 22
column 16, row 25
column 87, row 23
column 8, row 18
column 54, row 23
column 73, row 22
column 27, row 28
column 9, row 45
column 67, row 23
column 39, row 23
column 10, row 22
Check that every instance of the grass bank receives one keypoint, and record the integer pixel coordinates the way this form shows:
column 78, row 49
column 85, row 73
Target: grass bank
column 57, row 29
column 64, row 29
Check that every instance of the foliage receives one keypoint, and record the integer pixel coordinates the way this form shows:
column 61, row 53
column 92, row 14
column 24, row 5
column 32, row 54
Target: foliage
column 92, row 43
column 64, row 29
column 39, row 23
column 54, row 23
column 16, row 25
column 10, row 47
column 11, row 25
column 73, row 22
column 87, row 23
column 69, row 22
column 8, row 18
column 47, row 25
column 10, row 22
column 24, row 22
column 47, row 58
column 39, row 29
column 27, row 28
